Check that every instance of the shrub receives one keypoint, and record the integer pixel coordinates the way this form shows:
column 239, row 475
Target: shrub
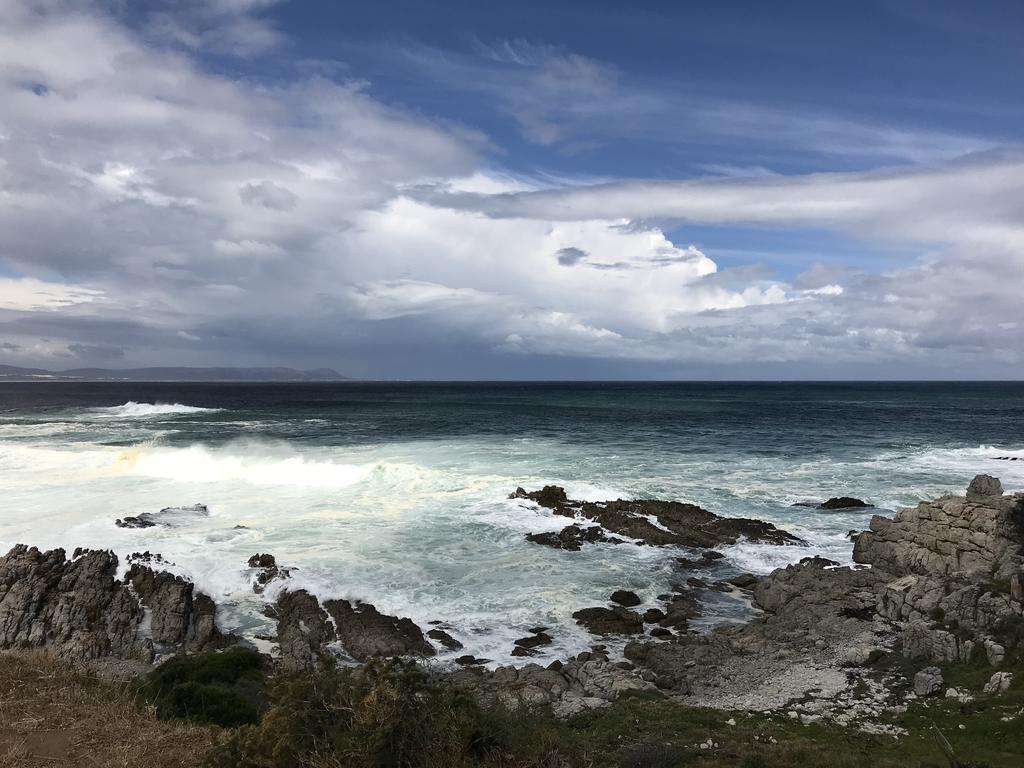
column 225, row 688
column 383, row 715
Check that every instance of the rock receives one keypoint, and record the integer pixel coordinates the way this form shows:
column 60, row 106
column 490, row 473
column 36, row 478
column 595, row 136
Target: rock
column 984, row 485
column 73, row 608
column 744, row 581
column 179, row 617
column 170, row 517
column 569, row 689
column 77, row 610
column 366, row 633
column 267, row 571
column 999, row 683
column 262, row 561
column 469, row 660
column 572, row 537
column 134, row 522
column 661, row 632
column 653, row 615
column 626, row 598
column 682, row 607
column 928, row 682
column 525, row 646
column 711, row 555
column 844, row 502
column 303, row 629
column 973, row 537
column 550, row 496
column 653, row 522
column 444, row 639
column 609, row 621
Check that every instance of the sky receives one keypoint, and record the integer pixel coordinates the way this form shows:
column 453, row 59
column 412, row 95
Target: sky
column 529, row 190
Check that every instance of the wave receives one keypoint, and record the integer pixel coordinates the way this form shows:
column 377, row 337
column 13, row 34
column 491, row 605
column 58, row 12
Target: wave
column 200, row 464
column 134, row 410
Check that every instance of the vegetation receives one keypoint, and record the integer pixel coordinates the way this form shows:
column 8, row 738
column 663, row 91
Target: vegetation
column 226, row 689
column 53, row 715
column 393, row 716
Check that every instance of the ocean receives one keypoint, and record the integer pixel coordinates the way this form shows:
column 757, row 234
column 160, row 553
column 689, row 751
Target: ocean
column 397, row 493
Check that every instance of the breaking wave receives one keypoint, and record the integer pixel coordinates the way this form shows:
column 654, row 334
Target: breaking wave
column 134, row 410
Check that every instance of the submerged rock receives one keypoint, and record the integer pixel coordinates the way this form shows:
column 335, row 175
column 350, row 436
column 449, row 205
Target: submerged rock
column 170, row 517
column 572, row 537
column 526, row 646
column 844, row 502
column 444, row 639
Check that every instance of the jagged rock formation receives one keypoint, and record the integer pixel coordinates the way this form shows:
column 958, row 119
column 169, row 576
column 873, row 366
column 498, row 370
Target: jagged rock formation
column 266, row 571
column 958, row 568
column 78, row 610
column 305, row 629
column 944, row 583
column 658, row 523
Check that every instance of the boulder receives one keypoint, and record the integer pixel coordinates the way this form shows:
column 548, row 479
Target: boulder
column 444, row 639
column 626, row 598
column 999, row 683
column 527, row 646
column 610, row 621
column 983, row 486
column 928, row 682
column 744, row 581
column 844, row 502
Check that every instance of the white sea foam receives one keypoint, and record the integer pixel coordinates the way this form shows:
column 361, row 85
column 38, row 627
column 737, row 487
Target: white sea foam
column 200, row 464
column 424, row 528
column 134, row 410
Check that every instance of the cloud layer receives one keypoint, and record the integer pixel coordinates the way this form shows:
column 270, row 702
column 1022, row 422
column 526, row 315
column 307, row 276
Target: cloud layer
column 157, row 211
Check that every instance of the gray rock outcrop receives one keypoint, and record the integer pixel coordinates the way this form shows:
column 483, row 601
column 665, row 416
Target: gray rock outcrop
column 78, row 610
column 944, row 584
column 305, row 629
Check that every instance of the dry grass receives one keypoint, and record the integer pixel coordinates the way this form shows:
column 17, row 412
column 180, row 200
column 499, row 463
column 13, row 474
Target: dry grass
column 54, row 715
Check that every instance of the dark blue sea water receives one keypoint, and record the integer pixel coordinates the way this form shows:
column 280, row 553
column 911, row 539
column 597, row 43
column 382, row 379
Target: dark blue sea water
column 397, row 493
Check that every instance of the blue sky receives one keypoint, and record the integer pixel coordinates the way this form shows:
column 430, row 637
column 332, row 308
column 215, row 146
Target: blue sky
column 791, row 189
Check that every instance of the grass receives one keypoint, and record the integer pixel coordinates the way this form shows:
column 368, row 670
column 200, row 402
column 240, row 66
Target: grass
column 52, row 715
column 393, row 716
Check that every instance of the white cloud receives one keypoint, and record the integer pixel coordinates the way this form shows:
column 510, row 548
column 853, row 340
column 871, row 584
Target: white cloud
column 175, row 215
column 28, row 294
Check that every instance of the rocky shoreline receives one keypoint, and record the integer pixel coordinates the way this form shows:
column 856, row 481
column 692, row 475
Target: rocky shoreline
column 941, row 582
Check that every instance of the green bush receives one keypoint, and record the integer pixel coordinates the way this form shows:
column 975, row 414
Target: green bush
column 385, row 715
column 224, row 688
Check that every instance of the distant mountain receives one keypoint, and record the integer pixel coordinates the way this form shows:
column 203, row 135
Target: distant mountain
column 14, row 373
